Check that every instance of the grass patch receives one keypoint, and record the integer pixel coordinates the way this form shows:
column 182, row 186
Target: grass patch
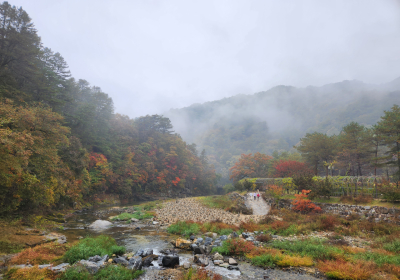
column 76, row 273
column 186, row 228
column 393, row 246
column 110, row 272
column 217, row 201
column 114, row 272
column 314, row 248
column 33, row 273
column 378, row 258
column 90, row 246
column 340, row 269
column 265, row 260
column 140, row 215
column 42, row 254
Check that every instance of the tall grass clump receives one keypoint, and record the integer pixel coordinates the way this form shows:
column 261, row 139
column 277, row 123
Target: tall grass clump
column 340, row 269
column 114, row 272
column 91, row 246
column 378, row 258
column 265, row 260
column 313, row 248
column 184, row 228
column 42, row 254
column 76, row 273
column 393, row 246
column 34, row 273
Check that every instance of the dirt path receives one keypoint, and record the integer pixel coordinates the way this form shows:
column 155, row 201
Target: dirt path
column 260, row 207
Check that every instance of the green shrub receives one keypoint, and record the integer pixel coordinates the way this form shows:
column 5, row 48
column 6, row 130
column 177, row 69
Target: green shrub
column 184, row 228
column 223, row 250
column 90, row 246
column 114, row 272
column 266, row 260
column 314, row 248
column 137, row 215
column 379, row 259
column 393, row 246
column 76, row 273
column 137, row 273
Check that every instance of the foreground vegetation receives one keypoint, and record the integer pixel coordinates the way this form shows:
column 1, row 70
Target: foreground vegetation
column 342, row 248
column 58, row 253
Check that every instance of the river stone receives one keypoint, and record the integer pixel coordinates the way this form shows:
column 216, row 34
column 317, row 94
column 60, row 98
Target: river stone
column 201, row 260
column 186, row 265
column 194, row 246
column 170, row 261
column 100, row 224
column 208, row 249
column 224, row 265
column 192, row 237
column 135, row 262
column 208, row 239
column 148, row 252
column 245, row 235
column 90, row 266
column 231, row 261
column 199, row 241
column 200, row 250
column 95, row 258
column 121, row 261
column 218, row 256
column 223, row 237
column 60, row 268
column 44, row 266
column 140, row 253
column 147, row 261
column 231, row 267
column 218, row 261
column 133, row 220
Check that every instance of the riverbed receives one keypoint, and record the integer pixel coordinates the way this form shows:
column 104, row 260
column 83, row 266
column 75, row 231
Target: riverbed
column 141, row 235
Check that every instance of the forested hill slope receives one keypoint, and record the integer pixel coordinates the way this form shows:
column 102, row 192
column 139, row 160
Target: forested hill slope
column 276, row 119
column 61, row 144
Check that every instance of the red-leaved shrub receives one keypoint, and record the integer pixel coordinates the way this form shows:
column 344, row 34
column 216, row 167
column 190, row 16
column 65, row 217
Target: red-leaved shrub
column 304, row 205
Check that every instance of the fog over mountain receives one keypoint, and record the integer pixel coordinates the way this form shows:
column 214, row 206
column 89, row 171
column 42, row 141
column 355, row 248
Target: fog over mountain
column 276, row 119
column 150, row 56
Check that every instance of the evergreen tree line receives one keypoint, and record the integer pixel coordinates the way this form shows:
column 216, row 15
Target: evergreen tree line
column 61, row 142
column 357, row 150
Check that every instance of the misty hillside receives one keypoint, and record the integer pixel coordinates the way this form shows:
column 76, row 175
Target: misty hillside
column 276, row 119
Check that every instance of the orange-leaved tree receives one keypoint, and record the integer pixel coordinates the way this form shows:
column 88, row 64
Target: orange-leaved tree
column 250, row 166
column 303, row 204
column 290, row 168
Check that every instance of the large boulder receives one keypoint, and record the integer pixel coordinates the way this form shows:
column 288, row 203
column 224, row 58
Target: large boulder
column 121, row 261
column 92, row 267
column 170, row 261
column 183, row 244
column 135, row 262
column 100, row 224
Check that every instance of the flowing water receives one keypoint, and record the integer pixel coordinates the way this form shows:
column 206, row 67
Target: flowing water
column 149, row 236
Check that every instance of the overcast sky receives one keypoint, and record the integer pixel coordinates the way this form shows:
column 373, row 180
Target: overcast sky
column 150, row 56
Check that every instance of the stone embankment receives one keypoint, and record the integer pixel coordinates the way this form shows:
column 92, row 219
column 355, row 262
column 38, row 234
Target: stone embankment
column 189, row 209
column 372, row 213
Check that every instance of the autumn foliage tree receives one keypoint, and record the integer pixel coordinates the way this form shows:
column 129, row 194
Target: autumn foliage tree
column 290, row 168
column 250, row 166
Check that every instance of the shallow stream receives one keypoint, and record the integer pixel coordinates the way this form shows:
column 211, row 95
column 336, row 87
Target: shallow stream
column 149, row 236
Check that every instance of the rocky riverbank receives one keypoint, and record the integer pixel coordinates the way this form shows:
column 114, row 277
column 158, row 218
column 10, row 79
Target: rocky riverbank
column 190, row 209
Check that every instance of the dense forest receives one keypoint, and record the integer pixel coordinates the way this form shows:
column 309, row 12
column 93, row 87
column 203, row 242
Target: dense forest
column 272, row 122
column 61, row 143
column 355, row 151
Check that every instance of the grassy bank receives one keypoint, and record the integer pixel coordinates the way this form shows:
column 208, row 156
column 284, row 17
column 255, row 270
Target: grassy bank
column 55, row 253
column 344, row 248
